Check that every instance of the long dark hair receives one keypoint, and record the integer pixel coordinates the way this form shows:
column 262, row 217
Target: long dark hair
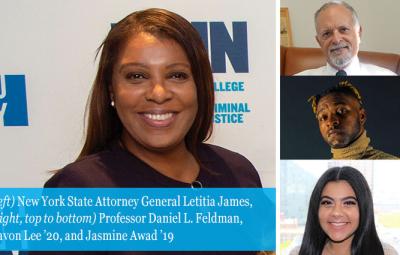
column 103, row 124
column 366, row 240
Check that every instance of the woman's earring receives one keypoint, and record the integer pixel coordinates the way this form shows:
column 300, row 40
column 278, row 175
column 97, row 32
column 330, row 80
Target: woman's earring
column 112, row 103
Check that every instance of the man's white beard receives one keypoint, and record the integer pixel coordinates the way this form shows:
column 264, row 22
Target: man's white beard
column 342, row 61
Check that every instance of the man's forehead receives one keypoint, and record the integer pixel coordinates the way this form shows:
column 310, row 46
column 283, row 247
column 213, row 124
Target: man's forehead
column 337, row 98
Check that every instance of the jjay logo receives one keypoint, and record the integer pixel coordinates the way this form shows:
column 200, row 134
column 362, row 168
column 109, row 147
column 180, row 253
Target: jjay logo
column 13, row 104
column 221, row 44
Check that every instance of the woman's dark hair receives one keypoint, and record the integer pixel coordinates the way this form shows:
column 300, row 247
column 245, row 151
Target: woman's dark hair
column 366, row 240
column 103, row 124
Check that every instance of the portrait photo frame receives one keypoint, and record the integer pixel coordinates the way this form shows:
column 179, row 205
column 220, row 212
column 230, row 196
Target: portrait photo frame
column 285, row 28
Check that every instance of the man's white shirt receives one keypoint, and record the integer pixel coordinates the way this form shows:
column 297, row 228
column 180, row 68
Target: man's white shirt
column 355, row 68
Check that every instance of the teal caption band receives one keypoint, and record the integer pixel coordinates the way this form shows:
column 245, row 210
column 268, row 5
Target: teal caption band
column 157, row 219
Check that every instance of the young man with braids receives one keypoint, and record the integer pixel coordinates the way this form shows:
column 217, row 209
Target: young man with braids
column 341, row 118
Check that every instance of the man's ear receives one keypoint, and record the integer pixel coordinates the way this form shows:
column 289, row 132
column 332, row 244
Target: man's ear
column 360, row 32
column 362, row 116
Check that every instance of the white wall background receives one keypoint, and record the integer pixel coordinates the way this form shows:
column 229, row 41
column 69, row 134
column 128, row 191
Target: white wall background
column 379, row 20
column 53, row 43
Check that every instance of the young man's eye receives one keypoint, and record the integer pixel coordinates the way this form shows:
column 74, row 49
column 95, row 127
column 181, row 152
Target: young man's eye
column 341, row 111
column 322, row 118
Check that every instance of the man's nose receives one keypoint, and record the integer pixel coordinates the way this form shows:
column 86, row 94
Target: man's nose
column 333, row 121
column 158, row 92
column 336, row 37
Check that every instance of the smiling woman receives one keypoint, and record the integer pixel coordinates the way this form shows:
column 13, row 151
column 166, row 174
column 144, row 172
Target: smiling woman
column 154, row 94
column 338, row 212
column 150, row 112
column 340, row 217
